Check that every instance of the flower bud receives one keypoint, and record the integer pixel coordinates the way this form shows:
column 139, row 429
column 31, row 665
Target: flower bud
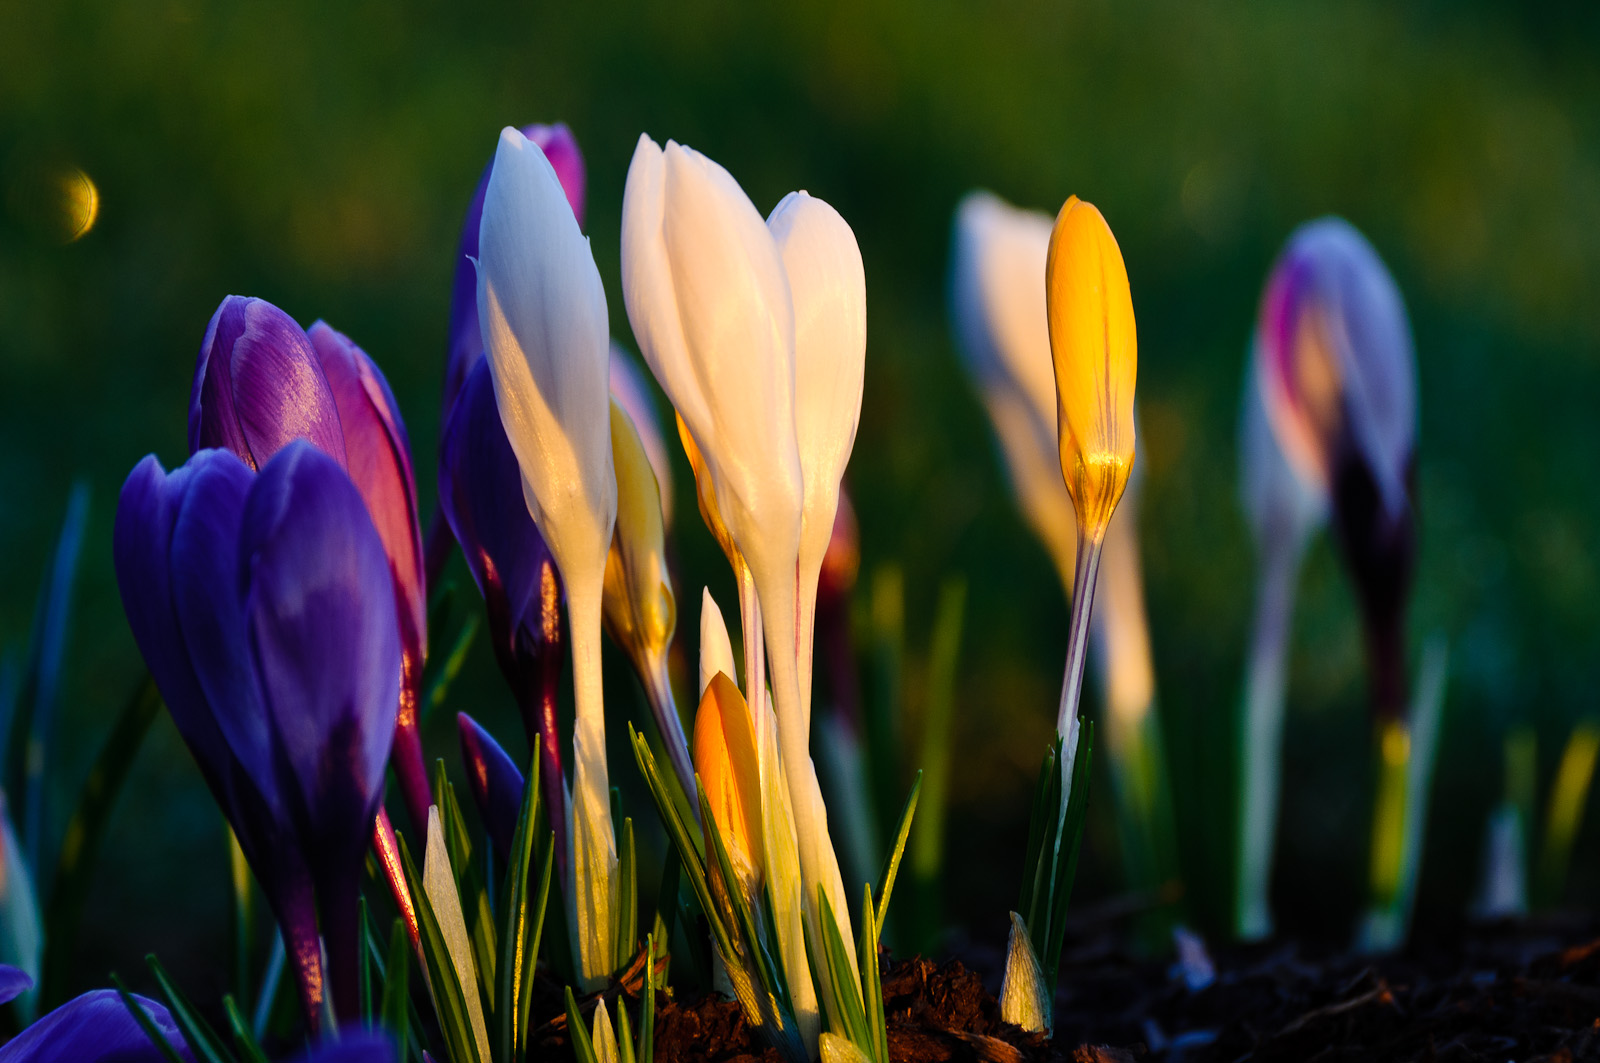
column 1093, row 343
column 730, row 775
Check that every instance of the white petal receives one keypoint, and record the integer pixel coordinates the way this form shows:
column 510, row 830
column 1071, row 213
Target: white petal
column 716, row 649
column 604, row 1039
column 628, row 387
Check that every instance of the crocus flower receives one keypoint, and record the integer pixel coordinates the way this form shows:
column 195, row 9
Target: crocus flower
column 629, row 389
column 1337, row 372
column 828, row 290
column 95, row 1028
column 1284, row 510
column 710, row 301
column 640, row 612
column 547, row 337
column 261, row 382
column 466, row 338
column 480, row 494
column 264, row 608
column 1092, row 343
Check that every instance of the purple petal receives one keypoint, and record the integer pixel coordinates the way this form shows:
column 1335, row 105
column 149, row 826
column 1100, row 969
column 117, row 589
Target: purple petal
column 496, row 784
column 14, row 982
column 258, row 385
column 94, row 1028
column 379, row 458
column 321, row 618
column 466, row 339
column 360, row 1047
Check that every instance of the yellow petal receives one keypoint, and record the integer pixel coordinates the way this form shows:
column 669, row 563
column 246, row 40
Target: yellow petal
column 725, row 759
column 1095, row 350
column 706, row 494
column 640, row 613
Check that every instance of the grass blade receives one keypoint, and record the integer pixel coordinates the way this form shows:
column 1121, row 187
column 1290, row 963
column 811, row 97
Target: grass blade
column 80, row 845
column 837, row 971
column 871, row 987
column 627, row 921
column 397, row 988
column 514, row 921
column 146, row 1023
column 647, row 1006
column 1066, row 854
column 243, row 1039
column 439, row 687
column 582, row 1047
column 449, row 999
column 203, row 1040
column 891, row 867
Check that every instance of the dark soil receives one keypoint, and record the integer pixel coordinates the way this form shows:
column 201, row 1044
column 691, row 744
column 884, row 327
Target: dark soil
column 1526, row 991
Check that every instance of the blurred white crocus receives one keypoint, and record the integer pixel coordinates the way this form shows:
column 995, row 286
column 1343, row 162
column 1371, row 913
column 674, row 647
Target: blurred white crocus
column 998, row 310
column 546, row 333
column 828, row 289
column 708, row 296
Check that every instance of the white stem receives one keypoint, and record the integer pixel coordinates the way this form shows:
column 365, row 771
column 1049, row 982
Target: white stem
column 1077, row 642
column 1262, row 738
column 594, row 845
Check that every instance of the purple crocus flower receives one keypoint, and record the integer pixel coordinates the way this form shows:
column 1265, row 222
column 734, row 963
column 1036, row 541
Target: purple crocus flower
column 1337, row 373
column 264, row 608
column 497, row 784
column 480, row 494
column 95, row 1028
column 260, row 382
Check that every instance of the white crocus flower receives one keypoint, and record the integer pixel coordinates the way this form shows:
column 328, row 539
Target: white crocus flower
column 546, row 333
column 828, row 289
column 709, row 300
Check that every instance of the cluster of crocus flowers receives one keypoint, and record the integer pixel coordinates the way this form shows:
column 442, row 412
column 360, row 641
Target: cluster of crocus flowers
column 1330, row 427
column 756, row 331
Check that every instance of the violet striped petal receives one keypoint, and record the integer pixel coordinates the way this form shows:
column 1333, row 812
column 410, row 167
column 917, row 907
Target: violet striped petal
column 258, row 385
column 14, row 982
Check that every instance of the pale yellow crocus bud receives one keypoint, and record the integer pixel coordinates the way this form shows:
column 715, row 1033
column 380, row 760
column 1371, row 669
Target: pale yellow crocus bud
column 640, row 612
column 730, row 774
column 1095, row 350
column 705, row 493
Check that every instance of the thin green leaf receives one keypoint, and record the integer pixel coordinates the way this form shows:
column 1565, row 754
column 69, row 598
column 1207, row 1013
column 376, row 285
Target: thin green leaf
column 244, row 912
column 838, row 972
column 871, row 987
column 243, row 1039
column 449, row 1000
column 1040, row 824
column 365, row 967
column 33, row 725
column 624, row 1034
column 80, row 845
column 146, row 1023
column 514, row 922
column 475, row 908
column 536, row 917
column 1066, row 868
column 627, row 917
column 690, row 855
column 397, row 988
column 582, row 1047
column 767, row 972
column 891, row 867
column 647, row 1006
column 439, row 688
column 203, row 1040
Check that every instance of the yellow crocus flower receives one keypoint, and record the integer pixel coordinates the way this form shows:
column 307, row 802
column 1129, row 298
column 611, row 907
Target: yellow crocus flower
column 730, row 774
column 1095, row 350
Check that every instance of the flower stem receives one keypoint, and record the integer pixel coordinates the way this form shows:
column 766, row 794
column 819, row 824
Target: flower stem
column 1088, row 565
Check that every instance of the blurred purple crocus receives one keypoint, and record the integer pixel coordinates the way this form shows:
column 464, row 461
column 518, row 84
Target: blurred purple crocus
column 480, row 494
column 264, row 608
column 261, row 382
column 1337, row 372
column 95, row 1028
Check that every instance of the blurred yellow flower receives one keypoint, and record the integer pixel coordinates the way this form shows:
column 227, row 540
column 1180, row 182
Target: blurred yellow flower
column 1095, row 350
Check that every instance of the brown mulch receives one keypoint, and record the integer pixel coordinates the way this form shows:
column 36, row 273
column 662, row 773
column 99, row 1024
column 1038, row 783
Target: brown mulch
column 1528, row 992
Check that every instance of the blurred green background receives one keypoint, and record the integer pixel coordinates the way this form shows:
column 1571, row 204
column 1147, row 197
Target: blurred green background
column 321, row 156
